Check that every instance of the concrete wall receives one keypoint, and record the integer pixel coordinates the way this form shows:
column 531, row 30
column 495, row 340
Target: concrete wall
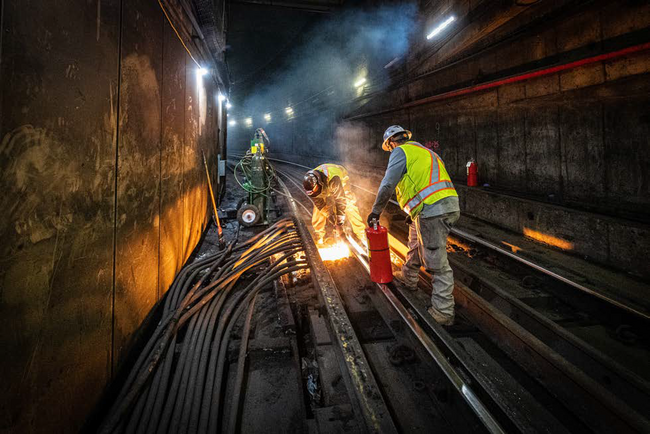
column 575, row 140
column 103, row 121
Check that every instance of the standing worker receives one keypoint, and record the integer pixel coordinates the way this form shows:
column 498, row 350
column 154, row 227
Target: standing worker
column 425, row 192
column 327, row 187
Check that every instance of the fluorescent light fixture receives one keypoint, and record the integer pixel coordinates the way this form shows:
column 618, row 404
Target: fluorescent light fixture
column 267, row 117
column 360, row 82
column 249, row 122
column 391, row 63
column 232, row 123
column 228, row 105
column 289, row 110
column 441, row 27
column 201, row 72
column 222, row 97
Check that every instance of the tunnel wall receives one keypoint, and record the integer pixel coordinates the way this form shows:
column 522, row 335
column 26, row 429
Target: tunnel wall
column 565, row 154
column 103, row 121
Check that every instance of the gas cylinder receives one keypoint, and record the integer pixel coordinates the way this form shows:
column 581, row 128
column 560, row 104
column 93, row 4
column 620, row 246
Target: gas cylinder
column 381, row 270
column 472, row 173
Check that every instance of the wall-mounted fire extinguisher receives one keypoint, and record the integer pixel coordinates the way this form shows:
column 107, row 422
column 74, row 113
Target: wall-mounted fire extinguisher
column 472, row 173
column 381, row 270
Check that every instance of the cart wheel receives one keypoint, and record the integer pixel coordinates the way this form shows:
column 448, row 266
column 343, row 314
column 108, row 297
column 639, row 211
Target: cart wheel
column 248, row 215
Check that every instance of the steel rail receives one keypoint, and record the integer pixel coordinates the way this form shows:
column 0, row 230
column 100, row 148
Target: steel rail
column 364, row 390
column 592, row 402
column 633, row 309
column 562, row 378
column 626, row 307
column 443, row 337
column 597, row 408
column 620, row 380
column 459, row 384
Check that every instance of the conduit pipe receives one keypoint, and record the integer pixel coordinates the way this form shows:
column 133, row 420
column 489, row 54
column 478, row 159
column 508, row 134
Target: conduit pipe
column 629, row 51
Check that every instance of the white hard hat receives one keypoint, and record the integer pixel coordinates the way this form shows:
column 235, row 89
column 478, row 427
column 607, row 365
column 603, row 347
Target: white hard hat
column 391, row 132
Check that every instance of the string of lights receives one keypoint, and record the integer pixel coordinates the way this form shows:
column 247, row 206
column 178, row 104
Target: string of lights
column 367, row 85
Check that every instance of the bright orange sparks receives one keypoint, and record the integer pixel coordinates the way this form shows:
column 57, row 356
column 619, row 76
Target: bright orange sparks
column 338, row 251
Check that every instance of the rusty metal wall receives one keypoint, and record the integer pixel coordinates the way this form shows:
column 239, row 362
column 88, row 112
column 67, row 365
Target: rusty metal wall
column 103, row 121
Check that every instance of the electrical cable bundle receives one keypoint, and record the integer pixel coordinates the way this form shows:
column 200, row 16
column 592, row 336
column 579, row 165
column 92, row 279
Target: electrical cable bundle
column 177, row 383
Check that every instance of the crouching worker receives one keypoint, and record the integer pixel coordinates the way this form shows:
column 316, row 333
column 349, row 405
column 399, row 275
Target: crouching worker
column 327, row 187
column 425, row 192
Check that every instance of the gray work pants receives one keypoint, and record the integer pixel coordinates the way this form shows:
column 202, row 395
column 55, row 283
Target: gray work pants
column 428, row 246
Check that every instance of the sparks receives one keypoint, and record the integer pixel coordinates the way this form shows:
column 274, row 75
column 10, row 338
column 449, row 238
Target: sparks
column 338, row 251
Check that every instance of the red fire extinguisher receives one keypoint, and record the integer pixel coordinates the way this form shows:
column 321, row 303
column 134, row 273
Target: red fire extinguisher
column 472, row 173
column 379, row 253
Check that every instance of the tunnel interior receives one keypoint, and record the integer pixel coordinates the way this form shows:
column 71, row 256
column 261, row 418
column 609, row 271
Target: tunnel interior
column 121, row 122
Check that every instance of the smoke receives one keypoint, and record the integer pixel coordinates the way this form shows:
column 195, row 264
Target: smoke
column 317, row 79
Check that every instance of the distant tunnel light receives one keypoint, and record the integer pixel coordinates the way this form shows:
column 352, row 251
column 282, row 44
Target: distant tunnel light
column 441, row 27
column 360, row 82
column 267, row 117
column 228, row 105
column 249, row 122
column 201, row 72
column 289, row 111
column 232, row 123
column 222, row 97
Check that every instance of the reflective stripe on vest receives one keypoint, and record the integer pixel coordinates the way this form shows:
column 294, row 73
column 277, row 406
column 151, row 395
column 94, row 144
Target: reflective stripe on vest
column 426, row 192
column 439, row 184
column 332, row 170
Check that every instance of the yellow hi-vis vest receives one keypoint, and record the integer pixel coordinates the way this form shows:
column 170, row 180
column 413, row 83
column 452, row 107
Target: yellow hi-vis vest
column 332, row 170
column 426, row 179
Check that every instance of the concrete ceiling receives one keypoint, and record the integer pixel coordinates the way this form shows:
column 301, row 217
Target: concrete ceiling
column 261, row 33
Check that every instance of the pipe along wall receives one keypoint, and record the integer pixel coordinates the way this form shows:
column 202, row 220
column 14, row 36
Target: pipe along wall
column 103, row 121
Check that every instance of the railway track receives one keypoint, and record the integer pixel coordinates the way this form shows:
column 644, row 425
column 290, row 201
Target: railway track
column 367, row 357
column 532, row 372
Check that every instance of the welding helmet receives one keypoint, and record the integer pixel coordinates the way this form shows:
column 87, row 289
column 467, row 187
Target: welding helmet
column 313, row 183
column 391, row 132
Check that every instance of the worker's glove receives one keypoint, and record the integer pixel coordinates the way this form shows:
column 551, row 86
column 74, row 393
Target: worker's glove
column 408, row 220
column 372, row 217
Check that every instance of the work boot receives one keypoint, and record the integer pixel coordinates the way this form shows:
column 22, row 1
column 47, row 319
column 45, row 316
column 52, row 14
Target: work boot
column 441, row 319
column 411, row 284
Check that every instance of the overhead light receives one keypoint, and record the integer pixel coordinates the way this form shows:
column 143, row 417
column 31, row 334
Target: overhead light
column 222, row 97
column 228, row 105
column 267, row 117
column 441, row 27
column 289, row 110
column 360, row 82
column 232, row 123
column 201, row 72
column 391, row 63
column 249, row 122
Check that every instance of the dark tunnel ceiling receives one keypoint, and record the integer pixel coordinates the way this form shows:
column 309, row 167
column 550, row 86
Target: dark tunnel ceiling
column 260, row 35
